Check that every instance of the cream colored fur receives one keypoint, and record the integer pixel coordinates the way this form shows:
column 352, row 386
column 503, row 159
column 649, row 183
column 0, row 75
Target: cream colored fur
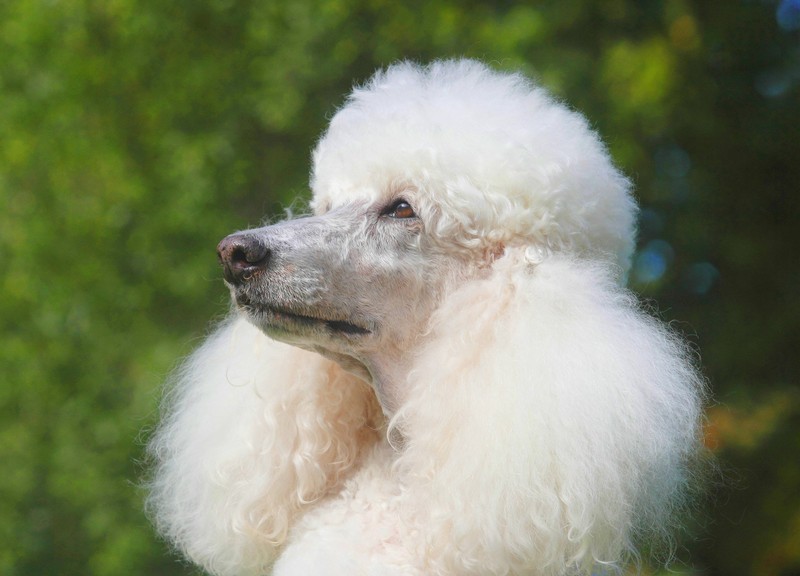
column 512, row 409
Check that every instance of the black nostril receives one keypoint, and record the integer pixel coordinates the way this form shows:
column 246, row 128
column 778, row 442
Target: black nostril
column 242, row 256
column 249, row 255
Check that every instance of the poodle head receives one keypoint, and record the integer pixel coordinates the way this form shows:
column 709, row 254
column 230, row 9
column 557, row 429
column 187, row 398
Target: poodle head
column 424, row 178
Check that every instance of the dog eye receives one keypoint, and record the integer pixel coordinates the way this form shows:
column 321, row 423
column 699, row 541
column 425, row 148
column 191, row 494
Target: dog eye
column 399, row 209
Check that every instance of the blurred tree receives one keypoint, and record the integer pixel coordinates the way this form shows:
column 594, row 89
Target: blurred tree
column 135, row 134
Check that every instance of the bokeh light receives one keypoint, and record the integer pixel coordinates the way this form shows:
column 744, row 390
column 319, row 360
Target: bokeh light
column 652, row 262
column 788, row 14
column 700, row 277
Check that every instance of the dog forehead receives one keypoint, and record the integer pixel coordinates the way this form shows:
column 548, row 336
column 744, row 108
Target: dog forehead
column 357, row 195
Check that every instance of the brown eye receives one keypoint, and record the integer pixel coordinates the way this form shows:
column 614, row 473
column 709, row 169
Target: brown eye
column 399, row 209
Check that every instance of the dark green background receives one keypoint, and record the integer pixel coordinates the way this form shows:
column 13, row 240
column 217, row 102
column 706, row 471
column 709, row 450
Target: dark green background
column 136, row 134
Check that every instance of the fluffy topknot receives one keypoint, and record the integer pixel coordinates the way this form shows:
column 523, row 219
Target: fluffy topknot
column 465, row 135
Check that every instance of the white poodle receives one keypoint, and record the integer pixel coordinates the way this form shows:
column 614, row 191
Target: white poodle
column 440, row 371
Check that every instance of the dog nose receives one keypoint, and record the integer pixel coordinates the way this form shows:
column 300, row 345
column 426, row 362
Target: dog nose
column 242, row 256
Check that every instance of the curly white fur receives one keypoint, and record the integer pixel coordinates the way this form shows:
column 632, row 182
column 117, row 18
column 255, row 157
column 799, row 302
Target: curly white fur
column 471, row 390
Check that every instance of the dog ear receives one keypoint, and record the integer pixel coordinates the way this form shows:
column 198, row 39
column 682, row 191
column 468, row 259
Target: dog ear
column 254, row 430
column 550, row 422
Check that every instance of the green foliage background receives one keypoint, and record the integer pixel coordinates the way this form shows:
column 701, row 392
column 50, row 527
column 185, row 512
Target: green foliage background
column 134, row 134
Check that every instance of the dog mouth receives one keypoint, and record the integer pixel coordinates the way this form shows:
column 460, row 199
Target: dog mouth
column 294, row 322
